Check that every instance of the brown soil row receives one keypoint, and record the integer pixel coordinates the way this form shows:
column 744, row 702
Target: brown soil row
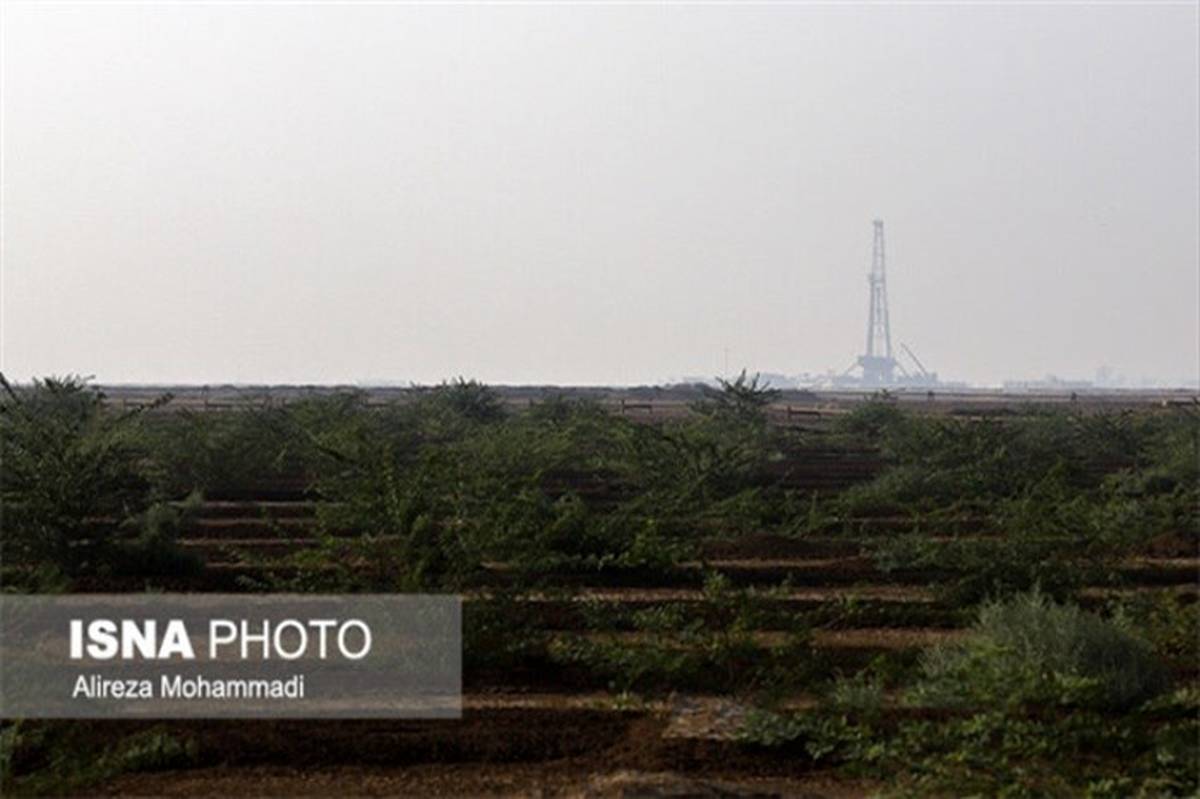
column 595, row 740
column 567, row 778
column 800, row 573
column 874, row 639
column 902, row 594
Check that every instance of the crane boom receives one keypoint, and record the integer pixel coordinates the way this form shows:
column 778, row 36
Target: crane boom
column 916, row 360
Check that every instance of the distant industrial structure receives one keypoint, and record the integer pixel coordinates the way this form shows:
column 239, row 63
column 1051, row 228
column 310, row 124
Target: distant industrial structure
column 878, row 367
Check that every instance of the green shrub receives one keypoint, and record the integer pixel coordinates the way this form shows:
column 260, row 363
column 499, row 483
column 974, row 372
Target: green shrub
column 10, row 741
column 236, row 449
column 1167, row 621
column 471, row 400
column 153, row 550
column 871, row 421
column 987, row 568
column 151, row 750
column 1029, row 651
column 70, row 758
column 1054, row 536
column 501, row 632
column 935, row 461
column 72, row 481
column 862, row 692
column 565, row 487
column 996, row 753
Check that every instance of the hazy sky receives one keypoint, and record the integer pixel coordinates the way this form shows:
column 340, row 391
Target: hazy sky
column 596, row 194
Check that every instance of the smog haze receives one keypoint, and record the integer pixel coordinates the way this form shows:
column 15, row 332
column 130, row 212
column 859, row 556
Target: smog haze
column 586, row 194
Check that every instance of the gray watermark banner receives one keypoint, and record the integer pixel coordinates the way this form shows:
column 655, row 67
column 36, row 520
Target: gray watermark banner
column 231, row 656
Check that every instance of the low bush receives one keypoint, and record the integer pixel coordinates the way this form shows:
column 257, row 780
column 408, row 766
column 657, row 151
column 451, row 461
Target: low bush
column 69, row 758
column 862, row 692
column 1029, row 651
column 151, row 548
column 1152, row 750
column 1168, row 622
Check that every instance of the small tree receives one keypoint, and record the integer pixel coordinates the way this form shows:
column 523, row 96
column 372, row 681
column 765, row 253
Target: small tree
column 69, row 479
column 471, row 400
column 741, row 401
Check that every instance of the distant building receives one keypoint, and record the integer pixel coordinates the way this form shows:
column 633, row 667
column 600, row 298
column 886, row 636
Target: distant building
column 1048, row 383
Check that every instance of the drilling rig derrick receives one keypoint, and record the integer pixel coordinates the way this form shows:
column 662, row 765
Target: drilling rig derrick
column 878, row 365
